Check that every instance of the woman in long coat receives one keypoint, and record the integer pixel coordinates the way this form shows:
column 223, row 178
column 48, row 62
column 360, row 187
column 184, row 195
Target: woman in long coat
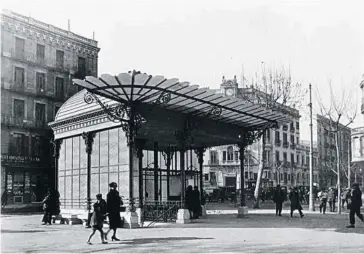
column 295, row 202
column 113, row 210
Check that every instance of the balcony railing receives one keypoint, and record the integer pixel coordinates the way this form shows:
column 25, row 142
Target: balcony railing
column 22, row 122
column 285, row 127
column 293, row 146
column 278, row 143
column 292, row 129
column 213, row 162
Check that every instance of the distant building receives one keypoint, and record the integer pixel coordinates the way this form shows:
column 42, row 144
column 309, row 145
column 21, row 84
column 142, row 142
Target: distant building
column 327, row 154
column 302, row 176
column 357, row 155
column 38, row 63
column 222, row 167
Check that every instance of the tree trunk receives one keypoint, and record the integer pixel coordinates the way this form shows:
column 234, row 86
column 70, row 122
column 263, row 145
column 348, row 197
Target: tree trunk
column 260, row 173
column 338, row 173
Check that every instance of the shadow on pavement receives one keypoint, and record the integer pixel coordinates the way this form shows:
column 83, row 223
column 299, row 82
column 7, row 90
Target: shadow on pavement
column 22, row 231
column 160, row 240
column 309, row 221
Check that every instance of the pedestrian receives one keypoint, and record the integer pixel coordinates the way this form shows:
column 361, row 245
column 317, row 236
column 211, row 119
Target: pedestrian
column 331, row 199
column 4, row 199
column 323, row 200
column 97, row 219
column 354, row 205
column 347, row 197
column 190, row 201
column 51, row 206
column 278, row 198
column 196, row 203
column 295, row 202
column 343, row 197
column 113, row 210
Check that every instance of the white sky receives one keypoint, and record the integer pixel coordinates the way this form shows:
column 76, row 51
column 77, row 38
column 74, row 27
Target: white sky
column 200, row 41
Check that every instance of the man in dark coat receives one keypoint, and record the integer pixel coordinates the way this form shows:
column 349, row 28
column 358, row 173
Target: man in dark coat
column 113, row 210
column 190, row 200
column 278, row 198
column 354, row 205
column 295, row 202
column 196, row 203
column 51, row 206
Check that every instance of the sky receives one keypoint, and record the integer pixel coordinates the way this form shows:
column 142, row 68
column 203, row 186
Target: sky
column 201, row 41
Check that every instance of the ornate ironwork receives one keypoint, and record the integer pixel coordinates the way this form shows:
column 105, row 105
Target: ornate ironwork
column 200, row 153
column 163, row 98
column 56, row 146
column 161, row 211
column 167, row 155
column 114, row 113
column 214, row 111
column 89, row 140
column 185, row 135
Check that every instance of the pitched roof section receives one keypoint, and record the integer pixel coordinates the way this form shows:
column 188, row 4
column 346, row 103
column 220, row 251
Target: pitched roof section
column 171, row 94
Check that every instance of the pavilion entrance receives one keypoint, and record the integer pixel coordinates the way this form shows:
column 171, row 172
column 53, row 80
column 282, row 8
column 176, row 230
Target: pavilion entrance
column 149, row 134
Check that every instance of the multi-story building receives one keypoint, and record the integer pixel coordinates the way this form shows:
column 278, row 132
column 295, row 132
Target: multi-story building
column 327, row 152
column 357, row 157
column 302, row 174
column 280, row 153
column 38, row 62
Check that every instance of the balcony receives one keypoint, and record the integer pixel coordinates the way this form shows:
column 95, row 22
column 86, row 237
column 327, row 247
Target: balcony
column 12, row 121
column 292, row 129
column 278, row 143
column 230, row 162
column 213, row 162
column 285, row 127
column 293, row 146
column 18, row 159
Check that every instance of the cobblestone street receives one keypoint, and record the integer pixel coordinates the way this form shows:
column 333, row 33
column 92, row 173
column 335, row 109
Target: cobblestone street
column 262, row 231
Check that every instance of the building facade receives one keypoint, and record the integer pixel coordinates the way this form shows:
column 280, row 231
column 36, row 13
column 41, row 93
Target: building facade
column 302, row 174
column 280, row 153
column 357, row 157
column 38, row 62
column 327, row 153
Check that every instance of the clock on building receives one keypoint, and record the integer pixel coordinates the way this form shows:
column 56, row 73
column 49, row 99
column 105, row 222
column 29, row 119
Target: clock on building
column 229, row 91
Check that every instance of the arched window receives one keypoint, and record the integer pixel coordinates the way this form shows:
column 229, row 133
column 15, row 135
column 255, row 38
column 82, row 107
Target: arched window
column 230, row 153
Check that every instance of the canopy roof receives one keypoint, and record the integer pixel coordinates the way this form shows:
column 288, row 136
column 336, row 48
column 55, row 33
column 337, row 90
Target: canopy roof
column 166, row 105
column 170, row 94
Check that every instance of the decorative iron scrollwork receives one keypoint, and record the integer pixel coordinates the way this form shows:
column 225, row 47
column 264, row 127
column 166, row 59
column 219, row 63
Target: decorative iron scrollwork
column 185, row 135
column 200, row 153
column 56, row 147
column 215, row 111
column 163, row 98
column 115, row 113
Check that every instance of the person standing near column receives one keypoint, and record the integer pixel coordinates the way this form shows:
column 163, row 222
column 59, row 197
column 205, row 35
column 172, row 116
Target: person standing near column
column 354, row 205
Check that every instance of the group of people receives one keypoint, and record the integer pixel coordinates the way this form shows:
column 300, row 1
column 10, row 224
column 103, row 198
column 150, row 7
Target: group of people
column 279, row 197
column 328, row 196
column 109, row 208
column 352, row 197
column 194, row 202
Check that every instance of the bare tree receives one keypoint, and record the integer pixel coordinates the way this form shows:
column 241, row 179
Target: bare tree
column 276, row 92
column 338, row 115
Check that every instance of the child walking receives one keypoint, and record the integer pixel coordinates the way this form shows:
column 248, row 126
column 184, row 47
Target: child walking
column 97, row 218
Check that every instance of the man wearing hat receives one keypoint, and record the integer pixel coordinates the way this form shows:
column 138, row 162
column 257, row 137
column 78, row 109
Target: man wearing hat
column 354, row 205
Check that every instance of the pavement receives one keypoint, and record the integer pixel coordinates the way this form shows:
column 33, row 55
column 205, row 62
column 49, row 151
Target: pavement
column 260, row 232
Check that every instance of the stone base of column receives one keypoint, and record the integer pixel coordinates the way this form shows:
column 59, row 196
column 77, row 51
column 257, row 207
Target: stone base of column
column 183, row 216
column 139, row 211
column 242, row 211
column 131, row 220
column 203, row 211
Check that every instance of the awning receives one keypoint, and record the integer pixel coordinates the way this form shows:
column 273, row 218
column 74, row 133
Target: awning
column 135, row 88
